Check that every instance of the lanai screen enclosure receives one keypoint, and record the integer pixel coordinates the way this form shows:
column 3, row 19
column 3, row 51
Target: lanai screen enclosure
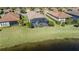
column 37, row 19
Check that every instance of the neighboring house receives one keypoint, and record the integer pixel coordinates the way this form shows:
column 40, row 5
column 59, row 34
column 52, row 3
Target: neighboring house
column 53, row 9
column 7, row 10
column 74, row 13
column 28, row 9
column 37, row 9
column 17, row 10
column 37, row 19
column 45, row 10
column 58, row 16
column 9, row 19
column 73, row 9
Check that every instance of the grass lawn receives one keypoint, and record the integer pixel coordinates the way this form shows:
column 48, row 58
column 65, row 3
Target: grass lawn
column 18, row 35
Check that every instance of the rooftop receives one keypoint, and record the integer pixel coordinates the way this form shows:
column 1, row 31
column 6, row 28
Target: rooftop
column 9, row 17
column 59, row 14
column 31, row 15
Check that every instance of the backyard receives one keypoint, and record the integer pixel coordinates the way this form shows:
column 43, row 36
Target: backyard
column 17, row 35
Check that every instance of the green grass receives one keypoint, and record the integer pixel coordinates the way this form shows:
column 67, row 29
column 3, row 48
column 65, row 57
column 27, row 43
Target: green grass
column 18, row 35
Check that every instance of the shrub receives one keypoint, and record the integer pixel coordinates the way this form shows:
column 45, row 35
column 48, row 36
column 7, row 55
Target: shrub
column 76, row 25
column 22, row 21
column 69, row 21
column 57, row 22
column 0, row 29
column 78, row 22
column 51, row 23
column 28, row 24
column 23, row 10
column 74, row 22
column 63, row 24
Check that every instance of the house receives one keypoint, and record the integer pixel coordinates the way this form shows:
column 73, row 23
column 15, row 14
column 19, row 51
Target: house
column 72, row 9
column 9, row 19
column 53, row 9
column 58, row 16
column 45, row 10
column 37, row 19
column 17, row 10
column 74, row 12
column 37, row 9
column 7, row 10
column 28, row 9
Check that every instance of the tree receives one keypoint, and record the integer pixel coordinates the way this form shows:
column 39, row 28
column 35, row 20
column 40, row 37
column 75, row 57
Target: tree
column 23, row 10
column 22, row 20
column 13, row 9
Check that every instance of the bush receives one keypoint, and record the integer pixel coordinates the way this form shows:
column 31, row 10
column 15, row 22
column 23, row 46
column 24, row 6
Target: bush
column 23, row 11
column 0, row 29
column 78, row 21
column 76, row 25
column 28, row 24
column 22, row 21
column 63, row 24
column 58, row 22
column 69, row 21
column 51, row 23
column 74, row 22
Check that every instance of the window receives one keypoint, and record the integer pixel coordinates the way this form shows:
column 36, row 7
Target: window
column 5, row 24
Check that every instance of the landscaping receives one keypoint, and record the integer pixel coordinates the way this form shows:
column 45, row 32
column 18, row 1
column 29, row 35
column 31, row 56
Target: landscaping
column 25, row 29
column 17, row 35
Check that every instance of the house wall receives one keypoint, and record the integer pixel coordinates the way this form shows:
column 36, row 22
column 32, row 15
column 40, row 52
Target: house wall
column 4, row 24
column 62, row 20
column 13, row 23
column 57, row 19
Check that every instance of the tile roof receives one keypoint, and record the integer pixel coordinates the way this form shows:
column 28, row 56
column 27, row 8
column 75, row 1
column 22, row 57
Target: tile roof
column 10, row 17
column 31, row 15
column 59, row 14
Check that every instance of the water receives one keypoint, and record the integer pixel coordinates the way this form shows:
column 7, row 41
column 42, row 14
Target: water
column 71, row 44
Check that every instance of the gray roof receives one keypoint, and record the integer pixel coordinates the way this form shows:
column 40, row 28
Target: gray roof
column 74, row 11
column 32, row 14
